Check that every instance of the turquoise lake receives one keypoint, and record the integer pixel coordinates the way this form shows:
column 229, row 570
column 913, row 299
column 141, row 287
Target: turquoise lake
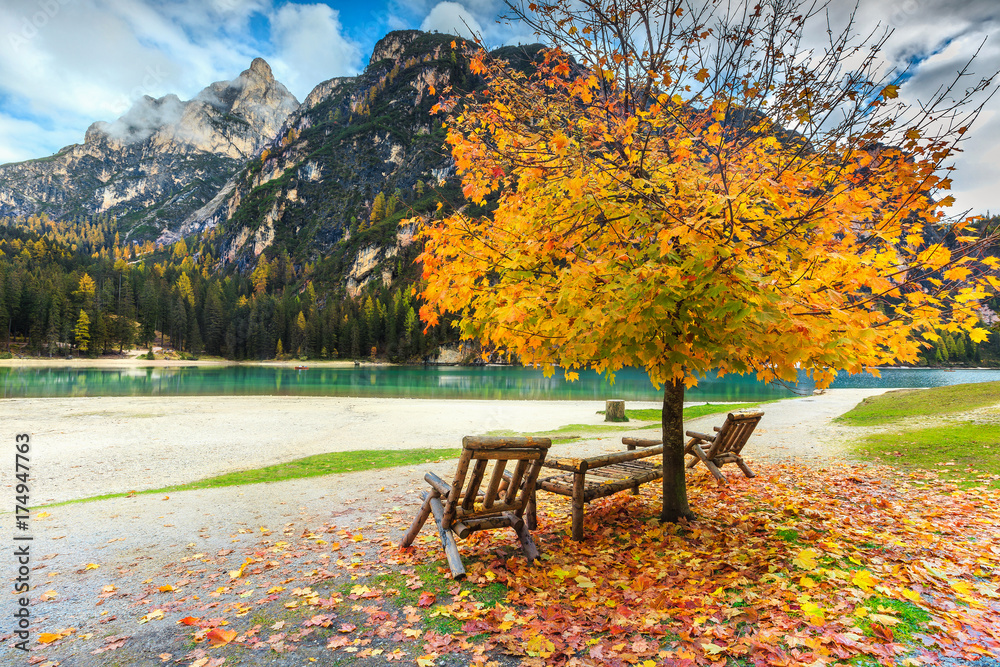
column 422, row 382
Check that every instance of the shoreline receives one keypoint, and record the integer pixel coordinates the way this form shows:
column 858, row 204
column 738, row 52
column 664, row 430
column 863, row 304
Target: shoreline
column 90, row 446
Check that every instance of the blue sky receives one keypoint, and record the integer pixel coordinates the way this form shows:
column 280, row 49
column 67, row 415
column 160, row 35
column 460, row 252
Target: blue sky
column 67, row 63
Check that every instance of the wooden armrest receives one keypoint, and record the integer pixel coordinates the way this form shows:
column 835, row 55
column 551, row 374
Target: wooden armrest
column 621, row 457
column 641, row 442
column 570, row 465
column 439, row 484
column 716, row 428
column 701, row 436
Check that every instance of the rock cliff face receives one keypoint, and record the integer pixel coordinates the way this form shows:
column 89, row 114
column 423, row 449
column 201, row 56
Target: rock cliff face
column 271, row 175
column 311, row 191
column 160, row 161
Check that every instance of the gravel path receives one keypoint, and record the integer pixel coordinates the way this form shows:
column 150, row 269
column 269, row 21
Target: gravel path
column 84, row 447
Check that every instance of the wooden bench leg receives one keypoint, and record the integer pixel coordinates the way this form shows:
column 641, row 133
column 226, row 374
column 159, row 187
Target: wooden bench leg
column 689, row 449
column 531, row 512
column 527, row 544
column 418, row 523
column 578, row 487
column 743, row 466
column 447, row 540
column 700, row 453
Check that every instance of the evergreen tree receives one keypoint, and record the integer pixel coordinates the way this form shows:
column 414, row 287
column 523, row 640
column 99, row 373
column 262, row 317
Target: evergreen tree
column 215, row 323
column 178, row 323
column 52, row 330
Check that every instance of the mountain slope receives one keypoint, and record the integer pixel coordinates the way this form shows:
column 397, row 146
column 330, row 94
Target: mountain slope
column 352, row 139
column 360, row 154
column 157, row 163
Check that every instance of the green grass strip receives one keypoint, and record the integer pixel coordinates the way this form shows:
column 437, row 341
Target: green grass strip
column 333, row 463
column 966, row 453
column 895, row 405
column 695, row 411
column 570, row 432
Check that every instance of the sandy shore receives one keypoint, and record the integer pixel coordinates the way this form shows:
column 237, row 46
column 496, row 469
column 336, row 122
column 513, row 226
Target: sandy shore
column 91, row 446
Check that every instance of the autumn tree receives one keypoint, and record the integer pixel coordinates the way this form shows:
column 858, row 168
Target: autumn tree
column 695, row 190
column 185, row 289
column 378, row 208
column 81, row 332
column 85, row 290
column 180, row 251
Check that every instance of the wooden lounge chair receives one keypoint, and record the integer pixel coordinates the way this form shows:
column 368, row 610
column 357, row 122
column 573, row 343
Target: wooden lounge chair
column 463, row 512
column 725, row 446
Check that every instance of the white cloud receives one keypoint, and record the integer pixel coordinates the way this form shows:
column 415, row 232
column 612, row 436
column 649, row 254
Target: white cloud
column 454, row 19
column 67, row 63
column 312, row 47
column 484, row 16
column 18, row 139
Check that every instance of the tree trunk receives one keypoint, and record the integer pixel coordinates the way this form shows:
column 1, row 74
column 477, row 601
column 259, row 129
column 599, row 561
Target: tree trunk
column 675, row 502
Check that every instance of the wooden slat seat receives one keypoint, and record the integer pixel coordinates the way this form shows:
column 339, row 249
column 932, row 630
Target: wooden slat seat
column 725, row 446
column 462, row 508
column 586, row 479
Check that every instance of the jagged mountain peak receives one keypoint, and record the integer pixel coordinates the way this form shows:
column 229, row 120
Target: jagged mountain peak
column 259, row 67
column 393, row 44
column 254, row 97
column 160, row 160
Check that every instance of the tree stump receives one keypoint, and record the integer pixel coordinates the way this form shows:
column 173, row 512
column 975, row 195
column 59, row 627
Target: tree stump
column 614, row 411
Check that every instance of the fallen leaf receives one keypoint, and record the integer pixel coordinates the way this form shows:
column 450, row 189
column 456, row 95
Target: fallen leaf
column 219, row 637
column 154, row 615
column 806, row 559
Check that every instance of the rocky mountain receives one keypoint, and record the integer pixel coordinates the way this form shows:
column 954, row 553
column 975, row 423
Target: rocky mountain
column 360, row 154
column 159, row 162
column 354, row 140
column 325, row 182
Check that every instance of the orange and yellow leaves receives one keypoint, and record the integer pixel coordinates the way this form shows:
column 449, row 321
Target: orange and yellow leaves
column 863, row 580
column 806, row 559
column 632, row 239
column 979, row 335
column 559, row 141
column 869, row 537
column 219, row 637
column 49, row 637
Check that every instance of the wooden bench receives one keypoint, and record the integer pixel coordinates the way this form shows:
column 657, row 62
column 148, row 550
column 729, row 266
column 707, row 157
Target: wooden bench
column 584, row 479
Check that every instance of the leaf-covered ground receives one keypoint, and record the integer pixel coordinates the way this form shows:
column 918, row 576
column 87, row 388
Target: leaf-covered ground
column 800, row 566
